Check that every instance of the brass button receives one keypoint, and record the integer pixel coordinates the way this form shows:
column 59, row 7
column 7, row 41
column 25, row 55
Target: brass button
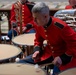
column 22, row 14
column 49, row 44
column 22, row 5
column 22, row 10
column 23, row 17
column 22, row 22
column 51, row 47
column 45, row 30
column 46, row 35
column 52, row 51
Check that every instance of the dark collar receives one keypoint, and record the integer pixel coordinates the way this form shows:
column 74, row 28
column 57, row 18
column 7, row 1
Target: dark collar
column 25, row 2
column 49, row 23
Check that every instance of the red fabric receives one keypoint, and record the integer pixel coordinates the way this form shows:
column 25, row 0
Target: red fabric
column 60, row 41
column 26, row 15
column 68, row 7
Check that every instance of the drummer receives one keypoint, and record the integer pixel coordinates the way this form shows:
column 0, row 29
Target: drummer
column 72, row 4
column 21, row 15
column 61, row 40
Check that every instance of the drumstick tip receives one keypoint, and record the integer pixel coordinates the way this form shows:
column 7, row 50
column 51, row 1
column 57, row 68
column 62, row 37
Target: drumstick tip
column 36, row 66
column 17, row 59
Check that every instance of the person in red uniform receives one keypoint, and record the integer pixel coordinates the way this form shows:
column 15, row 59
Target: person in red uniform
column 21, row 16
column 60, row 46
column 72, row 4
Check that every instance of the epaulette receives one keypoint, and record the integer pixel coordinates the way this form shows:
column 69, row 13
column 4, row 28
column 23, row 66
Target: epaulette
column 30, row 5
column 59, row 25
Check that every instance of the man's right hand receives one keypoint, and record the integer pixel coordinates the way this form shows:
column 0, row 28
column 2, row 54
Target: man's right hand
column 36, row 56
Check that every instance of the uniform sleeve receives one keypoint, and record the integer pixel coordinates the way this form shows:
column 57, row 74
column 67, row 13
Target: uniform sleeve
column 12, row 15
column 68, row 7
column 69, row 36
column 38, row 42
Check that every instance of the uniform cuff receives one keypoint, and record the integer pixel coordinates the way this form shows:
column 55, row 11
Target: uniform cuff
column 37, row 48
column 65, row 59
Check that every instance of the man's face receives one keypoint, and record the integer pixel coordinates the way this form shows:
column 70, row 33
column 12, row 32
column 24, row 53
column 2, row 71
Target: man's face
column 23, row 1
column 39, row 19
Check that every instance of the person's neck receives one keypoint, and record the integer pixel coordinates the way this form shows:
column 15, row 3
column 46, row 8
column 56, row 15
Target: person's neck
column 25, row 2
column 48, row 23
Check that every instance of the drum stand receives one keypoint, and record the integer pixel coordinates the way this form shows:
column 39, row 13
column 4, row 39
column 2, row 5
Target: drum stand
column 0, row 28
column 24, row 51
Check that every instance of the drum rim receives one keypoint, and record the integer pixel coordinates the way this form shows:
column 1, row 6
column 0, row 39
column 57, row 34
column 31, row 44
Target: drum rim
column 22, row 44
column 11, row 56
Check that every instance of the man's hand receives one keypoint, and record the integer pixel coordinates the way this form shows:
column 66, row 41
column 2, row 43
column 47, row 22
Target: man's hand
column 36, row 56
column 57, row 61
column 24, row 29
column 29, row 26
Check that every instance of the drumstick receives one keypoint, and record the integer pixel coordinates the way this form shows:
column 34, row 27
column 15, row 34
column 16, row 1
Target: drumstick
column 46, row 64
column 37, row 66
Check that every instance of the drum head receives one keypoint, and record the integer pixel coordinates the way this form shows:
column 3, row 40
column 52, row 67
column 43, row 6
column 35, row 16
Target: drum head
column 20, row 69
column 71, row 71
column 8, row 51
column 24, row 39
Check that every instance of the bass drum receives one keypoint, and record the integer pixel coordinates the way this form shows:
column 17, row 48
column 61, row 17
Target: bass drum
column 69, row 16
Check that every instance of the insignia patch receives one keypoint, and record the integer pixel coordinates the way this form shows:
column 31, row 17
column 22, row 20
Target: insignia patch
column 59, row 25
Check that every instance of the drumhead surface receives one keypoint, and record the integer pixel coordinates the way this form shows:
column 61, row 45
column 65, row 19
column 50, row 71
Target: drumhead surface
column 71, row 71
column 20, row 69
column 8, row 51
column 24, row 39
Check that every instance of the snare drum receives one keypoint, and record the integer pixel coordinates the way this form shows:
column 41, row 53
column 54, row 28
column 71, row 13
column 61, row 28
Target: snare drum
column 71, row 71
column 25, row 40
column 8, row 52
column 20, row 69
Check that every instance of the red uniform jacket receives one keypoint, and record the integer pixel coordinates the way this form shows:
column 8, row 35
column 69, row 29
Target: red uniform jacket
column 68, row 7
column 60, row 39
column 26, row 13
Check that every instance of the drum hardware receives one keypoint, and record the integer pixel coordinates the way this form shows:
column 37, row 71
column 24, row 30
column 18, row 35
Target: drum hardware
column 25, row 42
column 24, row 50
column 0, row 27
column 48, row 67
column 4, row 40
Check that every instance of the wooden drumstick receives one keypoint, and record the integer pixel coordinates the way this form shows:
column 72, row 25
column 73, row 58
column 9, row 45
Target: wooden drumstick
column 36, row 65
column 46, row 64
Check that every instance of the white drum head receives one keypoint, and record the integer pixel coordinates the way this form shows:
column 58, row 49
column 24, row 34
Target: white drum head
column 8, row 51
column 71, row 71
column 24, row 39
column 20, row 69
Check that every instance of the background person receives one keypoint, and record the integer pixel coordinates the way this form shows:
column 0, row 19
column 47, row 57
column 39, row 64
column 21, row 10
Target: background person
column 72, row 4
column 21, row 15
